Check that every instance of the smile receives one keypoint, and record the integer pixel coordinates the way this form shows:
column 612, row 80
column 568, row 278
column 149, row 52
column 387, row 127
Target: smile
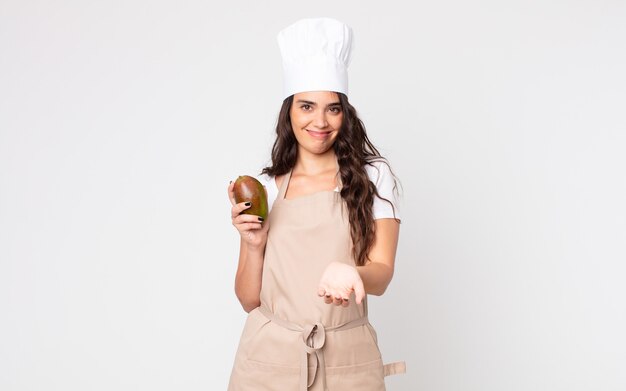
column 318, row 134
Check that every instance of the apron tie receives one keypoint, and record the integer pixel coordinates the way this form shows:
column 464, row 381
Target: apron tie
column 313, row 339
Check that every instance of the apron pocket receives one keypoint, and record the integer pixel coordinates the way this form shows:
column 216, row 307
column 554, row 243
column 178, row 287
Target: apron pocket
column 274, row 346
column 367, row 376
column 254, row 322
column 252, row 375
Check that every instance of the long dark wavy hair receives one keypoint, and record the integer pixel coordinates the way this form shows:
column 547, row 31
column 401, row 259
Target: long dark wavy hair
column 353, row 150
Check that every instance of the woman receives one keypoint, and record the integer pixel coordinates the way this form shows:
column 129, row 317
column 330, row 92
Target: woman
column 330, row 237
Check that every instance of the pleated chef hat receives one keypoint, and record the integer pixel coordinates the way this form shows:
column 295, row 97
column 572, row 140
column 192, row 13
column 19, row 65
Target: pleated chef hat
column 316, row 54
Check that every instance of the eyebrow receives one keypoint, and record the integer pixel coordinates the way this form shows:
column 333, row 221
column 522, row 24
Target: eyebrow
column 315, row 104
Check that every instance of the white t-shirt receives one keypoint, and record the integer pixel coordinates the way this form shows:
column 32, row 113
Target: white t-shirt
column 379, row 174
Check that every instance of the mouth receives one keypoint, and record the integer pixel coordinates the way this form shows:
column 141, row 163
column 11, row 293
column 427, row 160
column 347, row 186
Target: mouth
column 316, row 134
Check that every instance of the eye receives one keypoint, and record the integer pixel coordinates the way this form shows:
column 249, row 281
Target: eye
column 305, row 107
column 336, row 110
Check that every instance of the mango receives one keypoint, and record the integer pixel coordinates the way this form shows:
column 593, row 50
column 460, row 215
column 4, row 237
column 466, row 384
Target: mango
column 249, row 189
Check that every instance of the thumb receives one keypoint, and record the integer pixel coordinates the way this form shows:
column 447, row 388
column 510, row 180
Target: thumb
column 359, row 292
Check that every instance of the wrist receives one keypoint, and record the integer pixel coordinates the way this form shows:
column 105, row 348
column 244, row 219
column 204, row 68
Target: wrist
column 256, row 250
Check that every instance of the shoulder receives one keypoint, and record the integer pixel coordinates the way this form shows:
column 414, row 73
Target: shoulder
column 379, row 172
column 387, row 205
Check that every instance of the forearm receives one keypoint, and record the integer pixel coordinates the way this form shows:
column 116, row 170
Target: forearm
column 249, row 275
column 376, row 277
column 377, row 273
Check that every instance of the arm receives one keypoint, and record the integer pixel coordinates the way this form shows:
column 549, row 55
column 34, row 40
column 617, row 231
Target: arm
column 377, row 273
column 340, row 279
column 249, row 274
column 253, row 237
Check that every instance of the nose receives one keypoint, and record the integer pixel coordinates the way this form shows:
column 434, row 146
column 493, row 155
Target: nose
column 320, row 119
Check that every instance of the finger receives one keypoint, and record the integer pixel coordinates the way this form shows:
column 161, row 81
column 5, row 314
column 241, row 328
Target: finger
column 337, row 300
column 246, row 218
column 359, row 292
column 266, row 226
column 238, row 208
column 328, row 298
column 248, row 227
column 231, row 193
column 323, row 293
column 345, row 302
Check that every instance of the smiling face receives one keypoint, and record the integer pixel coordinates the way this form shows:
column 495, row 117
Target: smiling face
column 316, row 118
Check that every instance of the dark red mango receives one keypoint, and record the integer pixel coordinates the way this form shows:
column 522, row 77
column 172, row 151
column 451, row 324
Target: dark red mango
column 249, row 189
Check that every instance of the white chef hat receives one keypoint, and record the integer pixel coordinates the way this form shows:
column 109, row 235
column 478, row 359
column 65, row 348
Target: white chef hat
column 316, row 54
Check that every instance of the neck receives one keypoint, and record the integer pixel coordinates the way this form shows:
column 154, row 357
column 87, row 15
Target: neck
column 313, row 164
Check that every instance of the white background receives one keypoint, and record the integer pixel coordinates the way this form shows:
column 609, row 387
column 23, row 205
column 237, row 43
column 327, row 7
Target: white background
column 122, row 122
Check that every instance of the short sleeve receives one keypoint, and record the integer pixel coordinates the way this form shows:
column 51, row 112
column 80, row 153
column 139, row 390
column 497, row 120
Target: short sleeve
column 380, row 175
column 272, row 191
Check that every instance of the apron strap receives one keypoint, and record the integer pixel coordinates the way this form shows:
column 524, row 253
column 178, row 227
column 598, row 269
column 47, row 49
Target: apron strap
column 394, row 368
column 339, row 182
column 283, row 186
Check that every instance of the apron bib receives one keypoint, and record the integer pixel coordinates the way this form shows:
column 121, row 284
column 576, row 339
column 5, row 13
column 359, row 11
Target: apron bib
column 294, row 341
